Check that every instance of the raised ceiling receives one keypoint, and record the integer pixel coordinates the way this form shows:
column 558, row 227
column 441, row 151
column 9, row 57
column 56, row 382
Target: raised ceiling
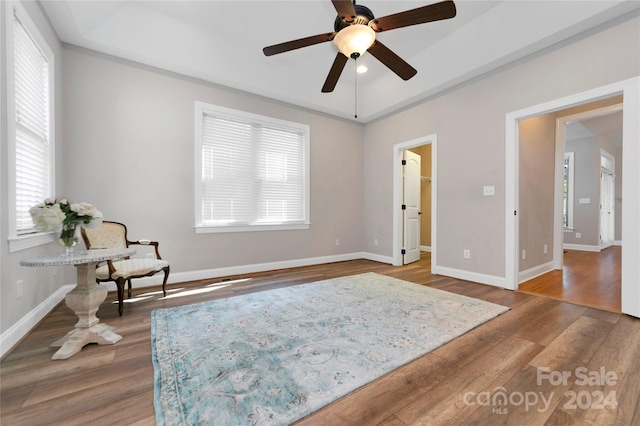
column 607, row 127
column 222, row 41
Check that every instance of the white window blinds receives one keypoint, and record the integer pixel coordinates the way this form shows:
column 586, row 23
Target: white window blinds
column 253, row 171
column 33, row 153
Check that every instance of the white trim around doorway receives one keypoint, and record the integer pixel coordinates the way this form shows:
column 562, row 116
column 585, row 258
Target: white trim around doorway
column 397, row 195
column 630, row 89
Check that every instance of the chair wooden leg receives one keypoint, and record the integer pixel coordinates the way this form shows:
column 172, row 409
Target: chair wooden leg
column 120, row 285
column 129, row 285
column 164, row 282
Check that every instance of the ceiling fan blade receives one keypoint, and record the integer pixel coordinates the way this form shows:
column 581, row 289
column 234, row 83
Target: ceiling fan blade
column 420, row 15
column 334, row 73
column 394, row 62
column 297, row 44
column 345, row 9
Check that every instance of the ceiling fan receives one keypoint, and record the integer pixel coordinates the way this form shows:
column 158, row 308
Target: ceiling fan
column 354, row 33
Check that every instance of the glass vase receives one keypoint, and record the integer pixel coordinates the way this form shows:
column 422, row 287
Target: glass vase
column 69, row 236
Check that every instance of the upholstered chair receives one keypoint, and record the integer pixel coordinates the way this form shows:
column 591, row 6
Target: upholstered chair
column 114, row 235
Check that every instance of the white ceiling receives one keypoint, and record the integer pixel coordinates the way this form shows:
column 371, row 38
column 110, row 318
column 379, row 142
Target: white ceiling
column 222, row 41
column 607, row 127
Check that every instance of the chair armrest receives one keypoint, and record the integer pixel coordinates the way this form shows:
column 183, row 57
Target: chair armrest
column 155, row 245
column 112, row 269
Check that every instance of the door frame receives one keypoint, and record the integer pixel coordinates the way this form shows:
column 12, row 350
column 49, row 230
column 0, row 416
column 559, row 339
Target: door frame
column 630, row 89
column 397, row 196
column 558, row 231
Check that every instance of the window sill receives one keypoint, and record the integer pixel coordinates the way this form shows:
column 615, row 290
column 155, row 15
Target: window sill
column 567, row 229
column 24, row 242
column 204, row 229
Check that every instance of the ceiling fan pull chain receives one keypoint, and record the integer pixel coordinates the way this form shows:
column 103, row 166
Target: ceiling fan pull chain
column 355, row 87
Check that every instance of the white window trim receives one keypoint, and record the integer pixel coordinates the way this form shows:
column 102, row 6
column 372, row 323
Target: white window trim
column 22, row 242
column 611, row 159
column 203, row 108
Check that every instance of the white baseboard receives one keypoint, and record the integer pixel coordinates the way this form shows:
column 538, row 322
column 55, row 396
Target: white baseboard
column 536, row 271
column 617, row 243
column 580, row 247
column 425, row 248
column 377, row 258
column 203, row 274
column 16, row 332
column 470, row 276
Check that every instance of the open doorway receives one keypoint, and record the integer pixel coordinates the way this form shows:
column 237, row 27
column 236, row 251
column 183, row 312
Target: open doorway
column 416, row 202
column 423, row 237
column 630, row 274
column 591, row 142
column 573, row 205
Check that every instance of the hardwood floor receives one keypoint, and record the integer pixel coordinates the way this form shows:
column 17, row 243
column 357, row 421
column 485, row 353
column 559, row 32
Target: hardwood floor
column 587, row 278
column 454, row 384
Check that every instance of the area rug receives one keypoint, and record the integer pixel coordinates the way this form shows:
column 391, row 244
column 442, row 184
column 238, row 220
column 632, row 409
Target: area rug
column 272, row 357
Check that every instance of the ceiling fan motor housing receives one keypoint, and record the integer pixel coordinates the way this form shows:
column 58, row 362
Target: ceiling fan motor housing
column 363, row 17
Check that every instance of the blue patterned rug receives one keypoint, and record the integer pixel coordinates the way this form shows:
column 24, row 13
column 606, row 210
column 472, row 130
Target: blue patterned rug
column 273, row 357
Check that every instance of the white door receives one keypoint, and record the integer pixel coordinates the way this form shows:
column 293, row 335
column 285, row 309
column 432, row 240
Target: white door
column 607, row 218
column 411, row 206
column 607, row 198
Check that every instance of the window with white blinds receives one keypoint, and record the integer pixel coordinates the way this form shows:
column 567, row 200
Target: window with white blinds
column 252, row 172
column 30, row 113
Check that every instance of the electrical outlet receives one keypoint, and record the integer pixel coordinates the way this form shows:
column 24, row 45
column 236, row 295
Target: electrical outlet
column 19, row 289
column 466, row 254
column 337, row 242
column 375, row 241
column 578, row 235
column 488, row 190
column 524, row 254
column 545, row 249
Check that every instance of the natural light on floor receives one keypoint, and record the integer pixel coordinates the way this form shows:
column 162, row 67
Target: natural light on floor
column 180, row 292
column 197, row 291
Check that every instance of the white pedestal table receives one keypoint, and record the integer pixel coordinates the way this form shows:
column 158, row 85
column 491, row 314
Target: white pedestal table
column 84, row 299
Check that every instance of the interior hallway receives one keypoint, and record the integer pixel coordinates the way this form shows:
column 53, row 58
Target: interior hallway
column 588, row 278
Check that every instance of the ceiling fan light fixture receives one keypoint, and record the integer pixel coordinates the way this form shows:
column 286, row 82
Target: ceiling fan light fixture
column 354, row 40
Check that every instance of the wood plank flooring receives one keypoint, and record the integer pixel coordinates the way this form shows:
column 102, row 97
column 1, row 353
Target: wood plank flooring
column 462, row 382
column 587, row 278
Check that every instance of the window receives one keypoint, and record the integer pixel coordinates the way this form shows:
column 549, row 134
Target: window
column 30, row 123
column 567, row 191
column 252, row 172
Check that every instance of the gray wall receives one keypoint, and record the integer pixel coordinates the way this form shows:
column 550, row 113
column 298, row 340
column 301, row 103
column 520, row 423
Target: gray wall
column 470, row 124
column 129, row 146
column 586, row 217
column 536, row 179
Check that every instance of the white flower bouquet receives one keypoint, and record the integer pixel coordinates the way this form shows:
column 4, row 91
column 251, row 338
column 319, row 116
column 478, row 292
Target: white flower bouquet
column 53, row 215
